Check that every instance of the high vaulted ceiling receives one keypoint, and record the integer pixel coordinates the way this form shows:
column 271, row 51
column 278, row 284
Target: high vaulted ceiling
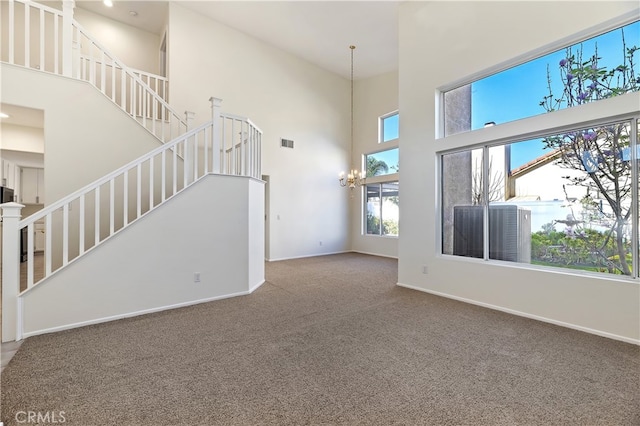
column 317, row 31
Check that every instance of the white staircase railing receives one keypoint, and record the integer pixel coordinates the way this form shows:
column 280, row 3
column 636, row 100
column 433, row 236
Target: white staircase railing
column 43, row 38
column 80, row 222
column 90, row 69
column 125, row 87
column 35, row 36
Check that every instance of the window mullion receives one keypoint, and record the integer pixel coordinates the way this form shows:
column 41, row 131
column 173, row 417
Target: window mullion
column 485, row 202
column 380, row 212
column 635, row 125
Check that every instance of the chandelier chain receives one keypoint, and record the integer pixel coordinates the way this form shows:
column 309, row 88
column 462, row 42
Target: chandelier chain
column 352, row 47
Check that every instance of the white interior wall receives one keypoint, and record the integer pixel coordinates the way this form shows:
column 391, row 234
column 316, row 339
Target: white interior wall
column 442, row 42
column 287, row 98
column 22, row 138
column 86, row 135
column 137, row 48
column 372, row 98
column 150, row 266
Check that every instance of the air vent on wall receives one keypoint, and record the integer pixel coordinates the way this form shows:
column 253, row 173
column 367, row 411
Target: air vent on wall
column 286, row 143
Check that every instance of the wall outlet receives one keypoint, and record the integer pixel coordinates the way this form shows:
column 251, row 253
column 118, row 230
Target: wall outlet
column 196, row 277
column 425, row 270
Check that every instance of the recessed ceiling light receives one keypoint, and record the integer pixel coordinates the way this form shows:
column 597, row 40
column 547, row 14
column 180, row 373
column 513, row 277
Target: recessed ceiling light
column 3, row 115
column 108, row 3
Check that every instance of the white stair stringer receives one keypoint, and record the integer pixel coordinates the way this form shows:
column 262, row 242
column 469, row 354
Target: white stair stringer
column 84, row 220
column 150, row 265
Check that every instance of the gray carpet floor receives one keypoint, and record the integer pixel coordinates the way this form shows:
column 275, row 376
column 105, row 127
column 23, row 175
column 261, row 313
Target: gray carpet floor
column 326, row 341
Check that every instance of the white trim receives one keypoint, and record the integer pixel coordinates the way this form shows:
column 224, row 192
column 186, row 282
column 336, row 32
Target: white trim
column 329, row 254
column 19, row 319
column 133, row 314
column 391, row 142
column 609, row 278
column 257, row 286
column 374, row 254
column 388, row 178
column 393, row 237
column 388, row 147
column 587, row 115
column 526, row 315
column 308, row 255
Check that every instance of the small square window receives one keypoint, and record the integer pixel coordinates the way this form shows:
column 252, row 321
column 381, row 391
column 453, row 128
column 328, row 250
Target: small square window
column 382, row 163
column 389, row 127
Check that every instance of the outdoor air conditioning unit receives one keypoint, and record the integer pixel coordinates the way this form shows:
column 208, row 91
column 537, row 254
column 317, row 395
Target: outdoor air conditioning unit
column 509, row 232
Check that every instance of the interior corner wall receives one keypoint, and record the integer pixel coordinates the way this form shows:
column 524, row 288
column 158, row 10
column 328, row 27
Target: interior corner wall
column 136, row 48
column 443, row 42
column 372, row 98
column 286, row 97
column 86, row 135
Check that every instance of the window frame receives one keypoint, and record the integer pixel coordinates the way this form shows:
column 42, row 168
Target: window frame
column 365, row 211
column 632, row 116
column 381, row 127
column 380, row 179
column 619, row 108
column 384, row 176
column 563, row 43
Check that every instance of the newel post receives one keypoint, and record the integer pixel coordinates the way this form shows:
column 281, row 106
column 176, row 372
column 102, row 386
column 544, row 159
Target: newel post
column 189, row 116
column 189, row 148
column 216, row 133
column 11, row 317
column 67, row 37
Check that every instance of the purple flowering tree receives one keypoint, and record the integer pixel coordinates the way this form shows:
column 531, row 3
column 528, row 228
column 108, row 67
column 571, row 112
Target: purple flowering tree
column 602, row 153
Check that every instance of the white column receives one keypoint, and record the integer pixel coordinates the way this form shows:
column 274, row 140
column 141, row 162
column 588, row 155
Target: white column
column 10, row 271
column 216, row 135
column 67, row 37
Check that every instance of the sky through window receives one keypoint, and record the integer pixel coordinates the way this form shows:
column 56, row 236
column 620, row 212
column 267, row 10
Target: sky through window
column 517, row 92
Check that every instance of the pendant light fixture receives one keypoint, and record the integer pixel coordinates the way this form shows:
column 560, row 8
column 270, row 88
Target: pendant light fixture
column 355, row 177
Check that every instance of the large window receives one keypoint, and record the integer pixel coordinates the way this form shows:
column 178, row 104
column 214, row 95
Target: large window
column 570, row 207
column 566, row 198
column 601, row 67
column 382, row 209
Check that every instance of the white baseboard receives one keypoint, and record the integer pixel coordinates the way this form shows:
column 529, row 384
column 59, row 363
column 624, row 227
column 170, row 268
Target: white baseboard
column 134, row 314
column 308, row 255
column 329, row 254
column 374, row 254
column 251, row 289
column 527, row 315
